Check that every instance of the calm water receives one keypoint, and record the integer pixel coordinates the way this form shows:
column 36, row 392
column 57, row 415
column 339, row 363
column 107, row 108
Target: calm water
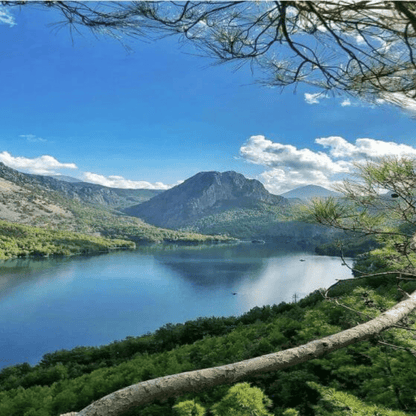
column 52, row 304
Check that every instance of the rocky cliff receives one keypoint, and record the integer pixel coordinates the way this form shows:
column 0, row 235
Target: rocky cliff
column 204, row 194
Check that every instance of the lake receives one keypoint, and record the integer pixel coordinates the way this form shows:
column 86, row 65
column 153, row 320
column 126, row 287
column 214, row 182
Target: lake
column 51, row 304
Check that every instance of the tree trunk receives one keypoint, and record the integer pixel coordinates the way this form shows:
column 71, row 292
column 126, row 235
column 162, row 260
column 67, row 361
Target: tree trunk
column 194, row 381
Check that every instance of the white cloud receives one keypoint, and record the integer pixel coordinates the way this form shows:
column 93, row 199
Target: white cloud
column 317, row 97
column 288, row 167
column 48, row 165
column 313, row 98
column 32, row 138
column 348, row 102
column 42, row 165
column 261, row 151
column 364, row 148
column 114, row 181
column 6, row 17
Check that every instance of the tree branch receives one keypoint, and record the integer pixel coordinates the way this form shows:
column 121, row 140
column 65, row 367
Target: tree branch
column 193, row 381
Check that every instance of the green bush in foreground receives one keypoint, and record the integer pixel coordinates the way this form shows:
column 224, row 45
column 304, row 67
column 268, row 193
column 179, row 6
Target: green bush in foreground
column 336, row 403
column 189, row 408
column 243, row 400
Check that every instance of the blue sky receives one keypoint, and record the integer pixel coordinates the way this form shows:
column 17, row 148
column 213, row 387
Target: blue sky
column 157, row 114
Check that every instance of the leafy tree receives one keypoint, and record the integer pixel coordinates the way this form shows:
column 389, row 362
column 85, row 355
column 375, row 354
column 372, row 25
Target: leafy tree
column 389, row 217
column 189, row 408
column 243, row 400
column 336, row 403
column 290, row 412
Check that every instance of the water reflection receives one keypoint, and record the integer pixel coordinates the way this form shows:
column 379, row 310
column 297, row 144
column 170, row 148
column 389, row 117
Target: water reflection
column 288, row 277
column 212, row 273
column 229, row 267
column 21, row 274
column 50, row 304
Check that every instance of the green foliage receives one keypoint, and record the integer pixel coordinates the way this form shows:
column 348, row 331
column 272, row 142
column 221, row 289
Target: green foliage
column 22, row 240
column 243, row 223
column 264, row 221
column 348, row 246
column 188, row 408
column 18, row 240
column 290, row 412
column 389, row 257
column 243, row 400
column 336, row 403
column 388, row 217
column 115, row 225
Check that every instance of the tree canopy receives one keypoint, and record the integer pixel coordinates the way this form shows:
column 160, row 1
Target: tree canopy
column 364, row 48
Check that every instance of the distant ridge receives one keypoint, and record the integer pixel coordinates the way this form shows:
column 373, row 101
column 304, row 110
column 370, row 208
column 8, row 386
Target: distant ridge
column 311, row 191
column 203, row 194
column 79, row 191
column 64, row 178
column 210, row 202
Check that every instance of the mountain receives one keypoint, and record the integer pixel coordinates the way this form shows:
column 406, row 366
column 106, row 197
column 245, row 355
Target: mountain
column 204, row 194
column 311, row 191
column 208, row 203
column 85, row 208
column 65, row 178
column 79, row 191
column 42, row 200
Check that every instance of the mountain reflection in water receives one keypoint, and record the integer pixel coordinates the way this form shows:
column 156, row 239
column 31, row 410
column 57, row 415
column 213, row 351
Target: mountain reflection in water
column 51, row 304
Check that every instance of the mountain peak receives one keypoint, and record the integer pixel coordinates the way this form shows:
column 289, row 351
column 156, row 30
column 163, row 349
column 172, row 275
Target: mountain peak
column 201, row 195
column 310, row 191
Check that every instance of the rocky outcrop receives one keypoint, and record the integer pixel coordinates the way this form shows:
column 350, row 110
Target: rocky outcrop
column 201, row 195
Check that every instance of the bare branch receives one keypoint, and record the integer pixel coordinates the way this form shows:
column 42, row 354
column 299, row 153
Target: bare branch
column 361, row 48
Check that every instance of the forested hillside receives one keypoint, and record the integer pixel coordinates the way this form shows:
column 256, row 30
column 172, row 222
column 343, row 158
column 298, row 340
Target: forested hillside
column 21, row 240
column 73, row 209
column 374, row 377
column 18, row 240
column 266, row 222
